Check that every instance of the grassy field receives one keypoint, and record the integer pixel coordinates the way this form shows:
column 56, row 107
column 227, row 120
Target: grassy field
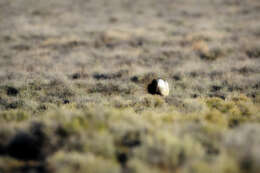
column 74, row 76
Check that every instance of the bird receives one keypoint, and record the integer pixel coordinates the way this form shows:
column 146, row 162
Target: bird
column 158, row 86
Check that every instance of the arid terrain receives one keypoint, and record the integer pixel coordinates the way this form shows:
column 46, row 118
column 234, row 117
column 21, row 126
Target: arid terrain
column 74, row 77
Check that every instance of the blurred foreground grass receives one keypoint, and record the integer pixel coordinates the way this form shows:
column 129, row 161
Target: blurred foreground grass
column 119, row 135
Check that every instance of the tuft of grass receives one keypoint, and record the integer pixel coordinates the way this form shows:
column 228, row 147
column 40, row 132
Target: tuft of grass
column 72, row 161
column 14, row 116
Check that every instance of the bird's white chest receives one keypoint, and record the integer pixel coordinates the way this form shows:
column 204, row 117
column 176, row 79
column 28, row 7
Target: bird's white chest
column 163, row 87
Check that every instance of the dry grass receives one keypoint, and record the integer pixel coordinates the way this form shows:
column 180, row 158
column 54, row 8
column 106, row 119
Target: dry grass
column 74, row 76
